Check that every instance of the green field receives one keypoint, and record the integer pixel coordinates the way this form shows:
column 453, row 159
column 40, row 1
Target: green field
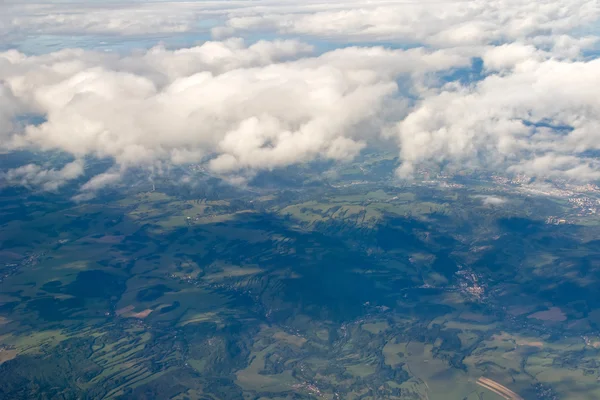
column 349, row 292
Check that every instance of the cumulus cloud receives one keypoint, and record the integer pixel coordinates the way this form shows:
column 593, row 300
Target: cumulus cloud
column 540, row 118
column 244, row 107
column 239, row 107
column 35, row 176
column 506, row 56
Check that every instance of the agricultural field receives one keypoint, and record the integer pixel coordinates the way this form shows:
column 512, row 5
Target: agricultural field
column 346, row 291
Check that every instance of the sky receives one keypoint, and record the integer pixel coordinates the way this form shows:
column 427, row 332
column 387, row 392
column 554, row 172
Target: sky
column 508, row 86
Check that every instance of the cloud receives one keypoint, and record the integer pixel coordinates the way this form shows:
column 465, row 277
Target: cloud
column 540, row 118
column 9, row 107
column 435, row 23
column 507, row 56
column 34, row 176
column 239, row 106
column 492, row 200
column 107, row 18
column 254, row 107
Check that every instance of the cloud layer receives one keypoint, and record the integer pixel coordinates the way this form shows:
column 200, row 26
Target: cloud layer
column 435, row 23
column 440, row 23
column 243, row 105
column 537, row 117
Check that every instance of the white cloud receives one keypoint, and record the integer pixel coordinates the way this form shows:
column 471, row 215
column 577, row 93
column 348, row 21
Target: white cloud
column 109, row 18
column 34, row 176
column 538, row 118
column 446, row 23
column 492, row 200
column 240, row 108
column 100, row 181
column 435, row 23
column 506, row 56
column 247, row 107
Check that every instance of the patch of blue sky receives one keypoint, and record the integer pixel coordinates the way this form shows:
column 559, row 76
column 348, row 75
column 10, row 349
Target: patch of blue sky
column 592, row 52
column 465, row 75
column 29, row 119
